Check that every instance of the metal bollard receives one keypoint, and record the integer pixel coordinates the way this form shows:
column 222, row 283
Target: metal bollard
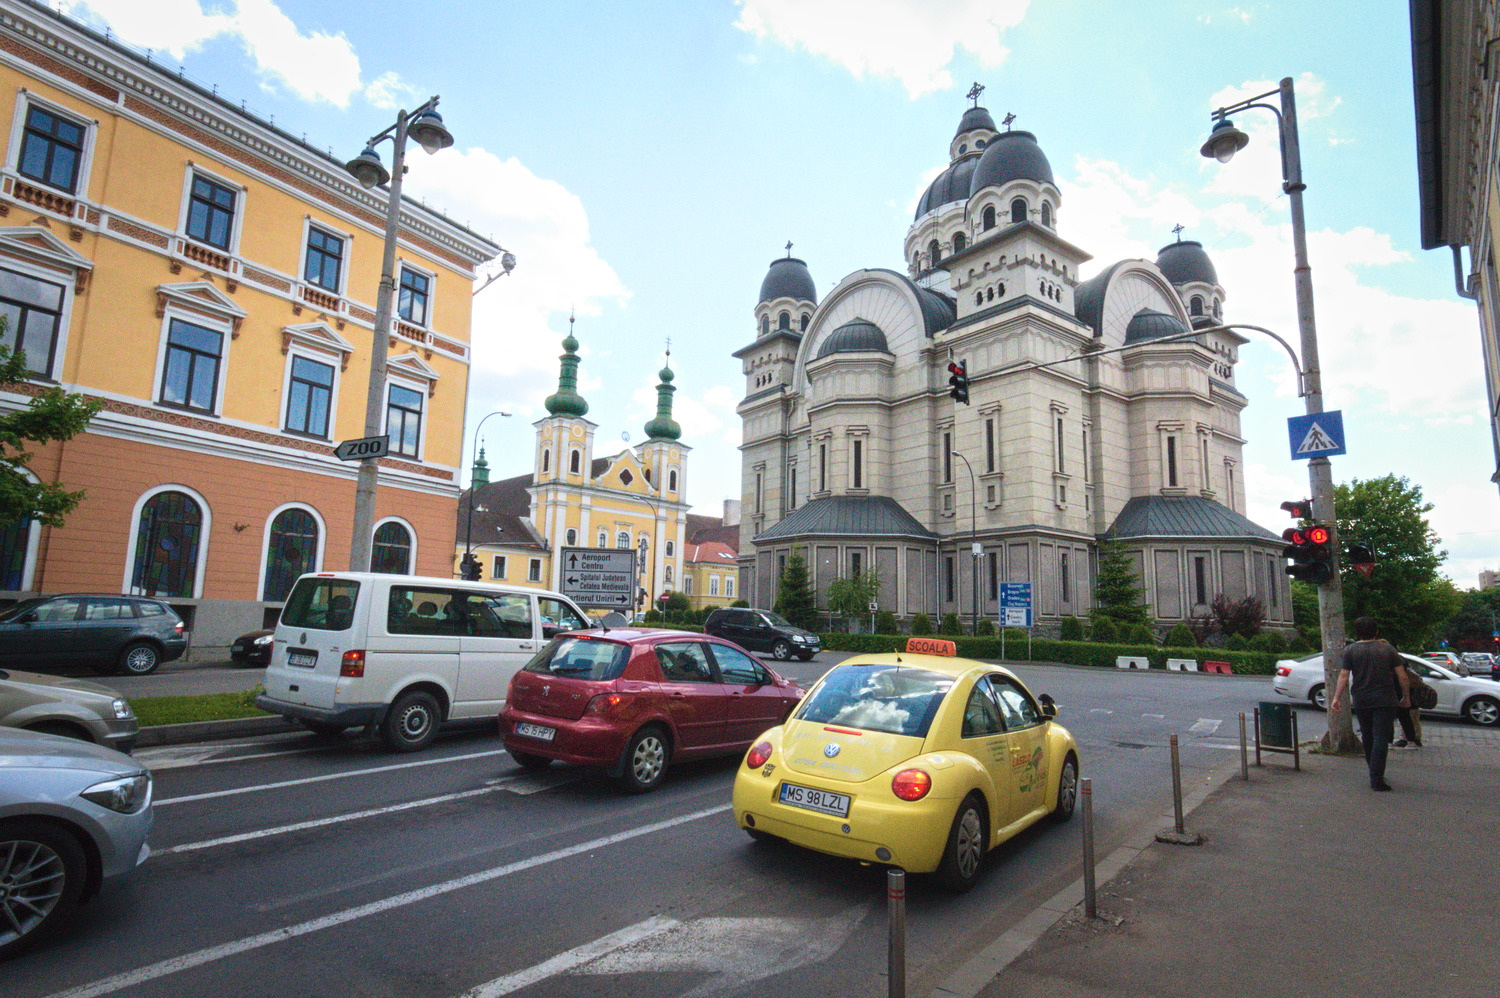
column 1086, row 797
column 1244, row 752
column 895, row 960
column 1176, row 788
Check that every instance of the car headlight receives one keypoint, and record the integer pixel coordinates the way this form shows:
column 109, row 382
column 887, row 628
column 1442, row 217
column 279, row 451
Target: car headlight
column 126, row 795
column 122, row 709
column 264, row 639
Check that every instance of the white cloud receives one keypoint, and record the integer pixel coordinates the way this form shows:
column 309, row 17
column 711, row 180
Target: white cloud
column 388, row 91
column 174, row 26
column 907, row 40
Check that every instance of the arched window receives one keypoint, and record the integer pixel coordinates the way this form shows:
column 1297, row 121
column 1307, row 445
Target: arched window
column 934, row 253
column 622, row 539
column 1018, row 211
column 784, row 320
column 1047, row 214
column 1195, row 306
column 806, row 318
column 979, row 297
column 989, row 217
column 672, row 481
column 166, row 545
column 575, row 461
column 1217, row 313
column 667, row 576
column 765, row 324
column 291, row 551
column 959, row 242
column 603, row 538
column 392, row 554
column 572, row 537
column 546, row 460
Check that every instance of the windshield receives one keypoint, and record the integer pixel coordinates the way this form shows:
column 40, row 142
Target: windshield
column 581, row 658
column 321, row 604
column 777, row 619
column 16, row 609
column 889, row 698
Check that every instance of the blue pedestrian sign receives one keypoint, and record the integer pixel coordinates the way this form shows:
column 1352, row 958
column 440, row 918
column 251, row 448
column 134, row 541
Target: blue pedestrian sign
column 1318, row 434
column 1015, row 604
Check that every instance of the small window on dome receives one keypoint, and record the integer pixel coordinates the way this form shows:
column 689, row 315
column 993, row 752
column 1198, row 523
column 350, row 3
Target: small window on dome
column 934, row 252
column 1217, row 313
column 575, row 462
column 1195, row 307
column 784, row 320
column 979, row 143
column 959, row 242
column 805, row 320
column 989, row 217
column 990, row 294
column 1018, row 211
column 963, row 149
column 979, row 298
column 1047, row 214
column 765, row 324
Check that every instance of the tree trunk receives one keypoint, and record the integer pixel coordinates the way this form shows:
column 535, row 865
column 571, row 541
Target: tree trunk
column 1340, row 739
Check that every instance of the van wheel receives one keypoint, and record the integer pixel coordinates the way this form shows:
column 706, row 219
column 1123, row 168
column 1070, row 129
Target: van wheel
column 139, row 659
column 781, row 651
column 411, row 722
column 645, row 761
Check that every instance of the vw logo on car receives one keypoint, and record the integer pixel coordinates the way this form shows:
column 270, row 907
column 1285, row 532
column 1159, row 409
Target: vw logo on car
column 831, row 749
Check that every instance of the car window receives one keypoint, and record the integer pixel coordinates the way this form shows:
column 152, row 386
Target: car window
column 893, row 699
column 581, row 658
column 981, row 715
column 17, row 610
column 427, row 610
column 685, row 662
column 775, row 619
column 739, row 669
column 150, row 609
column 109, row 609
column 1423, row 669
column 1015, row 706
column 322, row 604
column 558, row 616
column 64, row 608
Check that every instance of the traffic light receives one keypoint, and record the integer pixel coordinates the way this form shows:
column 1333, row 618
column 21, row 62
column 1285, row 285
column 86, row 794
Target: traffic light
column 958, row 378
column 468, row 568
column 1311, row 552
column 1301, row 509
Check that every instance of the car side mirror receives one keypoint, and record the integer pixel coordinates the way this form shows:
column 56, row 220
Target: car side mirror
column 29, row 617
column 1049, row 706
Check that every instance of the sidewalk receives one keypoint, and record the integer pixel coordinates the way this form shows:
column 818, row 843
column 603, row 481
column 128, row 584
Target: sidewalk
column 1308, row 884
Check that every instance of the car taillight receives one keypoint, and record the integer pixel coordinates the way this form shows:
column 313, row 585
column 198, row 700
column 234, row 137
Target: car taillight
column 178, row 627
column 759, row 753
column 604, row 704
column 911, row 784
column 1283, row 670
column 353, row 664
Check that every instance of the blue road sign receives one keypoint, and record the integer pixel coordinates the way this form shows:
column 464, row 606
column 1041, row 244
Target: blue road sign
column 1318, row 434
column 1015, row 604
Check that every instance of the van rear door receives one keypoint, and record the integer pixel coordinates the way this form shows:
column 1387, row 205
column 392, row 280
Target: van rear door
column 503, row 635
column 315, row 629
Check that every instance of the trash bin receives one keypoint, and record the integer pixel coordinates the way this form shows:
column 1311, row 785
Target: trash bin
column 1276, row 725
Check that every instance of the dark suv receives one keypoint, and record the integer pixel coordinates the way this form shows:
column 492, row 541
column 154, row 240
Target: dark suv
column 762, row 630
column 131, row 635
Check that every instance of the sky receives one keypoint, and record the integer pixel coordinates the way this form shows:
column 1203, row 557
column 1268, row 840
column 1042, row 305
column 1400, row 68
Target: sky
column 645, row 162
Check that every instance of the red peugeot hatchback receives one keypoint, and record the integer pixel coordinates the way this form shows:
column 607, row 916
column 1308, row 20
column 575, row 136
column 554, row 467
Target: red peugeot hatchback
column 631, row 701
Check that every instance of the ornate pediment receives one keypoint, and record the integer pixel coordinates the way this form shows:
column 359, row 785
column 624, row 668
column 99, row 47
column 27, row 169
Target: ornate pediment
column 201, row 297
column 37, row 244
column 411, row 366
column 319, row 336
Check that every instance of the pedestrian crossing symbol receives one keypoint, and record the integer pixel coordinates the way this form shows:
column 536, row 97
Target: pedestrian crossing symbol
column 1318, row 434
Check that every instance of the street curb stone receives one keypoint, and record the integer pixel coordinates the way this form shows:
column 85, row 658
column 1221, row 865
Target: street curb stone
column 205, row 731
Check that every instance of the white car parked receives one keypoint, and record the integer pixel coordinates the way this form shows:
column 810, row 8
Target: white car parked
column 1476, row 699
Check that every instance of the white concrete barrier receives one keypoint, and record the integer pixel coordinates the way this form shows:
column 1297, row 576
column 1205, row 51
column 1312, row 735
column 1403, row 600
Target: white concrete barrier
column 1182, row 664
column 1132, row 662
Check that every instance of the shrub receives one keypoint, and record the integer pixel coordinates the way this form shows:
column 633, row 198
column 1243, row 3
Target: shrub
column 1105, row 631
column 652, row 617
column 1299, row 644
column 1071, row 630
column 1140, row 634
column 921, row 624
column 1237, row 642
column 985, row 629
column 1180, row 636
column 885, row 623
column 1270, row 641
column 952, row 626
column 740, row 602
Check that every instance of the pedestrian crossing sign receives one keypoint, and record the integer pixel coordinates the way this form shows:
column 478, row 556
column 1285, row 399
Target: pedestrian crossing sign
column 1318, row 434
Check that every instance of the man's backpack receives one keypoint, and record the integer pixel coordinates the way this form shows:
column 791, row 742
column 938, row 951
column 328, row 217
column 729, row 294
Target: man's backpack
column 1422, row 695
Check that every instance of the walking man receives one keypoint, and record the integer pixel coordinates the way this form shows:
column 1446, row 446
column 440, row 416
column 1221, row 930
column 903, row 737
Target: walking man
column 1376, row 676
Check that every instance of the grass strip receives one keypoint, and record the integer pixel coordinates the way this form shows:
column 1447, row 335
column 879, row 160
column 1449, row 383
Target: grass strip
column 152, row 711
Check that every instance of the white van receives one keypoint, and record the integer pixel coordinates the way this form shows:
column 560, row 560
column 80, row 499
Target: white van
column 404, row 653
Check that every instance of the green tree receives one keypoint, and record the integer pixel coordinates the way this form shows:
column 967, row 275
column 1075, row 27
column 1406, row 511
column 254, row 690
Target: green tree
column 951, row 625
column 1404, row 593
column 851, row 597
column 1477, row 618
column 52, row 414
column 794, row 599
column 1305, row 613
column 1118, row 593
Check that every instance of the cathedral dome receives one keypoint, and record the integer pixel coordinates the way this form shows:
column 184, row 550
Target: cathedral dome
column 1011, row 156
column 975, row 118
column 788, row 278
column 1185, row 262
column 1149, row 324
column 950, row 186
column 854, row 336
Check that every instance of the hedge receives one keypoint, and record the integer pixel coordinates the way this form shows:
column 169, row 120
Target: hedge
column 1244, row 663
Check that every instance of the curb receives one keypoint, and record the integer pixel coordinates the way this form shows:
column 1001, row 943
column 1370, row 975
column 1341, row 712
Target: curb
column 207, row 731
column 977, row 972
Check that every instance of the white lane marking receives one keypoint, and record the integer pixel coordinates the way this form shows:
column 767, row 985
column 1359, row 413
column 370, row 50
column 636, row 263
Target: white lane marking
column 330, row 776
column 187, row 961
column 180, row 757
column 1156, row 717
column 1100, row 710
column 535, row 783
column 1206, row 726
column 321, row 822
column 575, row 957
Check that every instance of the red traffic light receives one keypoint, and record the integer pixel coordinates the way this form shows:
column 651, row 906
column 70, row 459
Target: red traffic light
column 1300, row 509
column 1318, row 535
column 954, row 367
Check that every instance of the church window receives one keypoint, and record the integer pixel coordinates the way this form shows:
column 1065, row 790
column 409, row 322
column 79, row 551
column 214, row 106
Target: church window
column 989, row 217
column 934, row 252
column 791, row 490
column 572, row 537
column 1061, row 448
column 947, row 457
column 1000, row 289
column 1203, row 446
column 758, row 491
column 1171, row 462
column 671, row 549
column 959, row 242
column 1195, row 307
column 1062, row 575
column 546, row 460
column 858, row 480
column 575, row 460
column 1217, row 312
column 1047, row 221
column 948, row 578
column 806, row 318
column 979, row 297
column 1085, row 454
column 672, row 481
column 856, row 563
column 784, row 320
column 603, row 538
column 992, row 559
column 1018, row 210
column 989, row 445
column 822, row 467
column 1200, row 580
column 765, row 325
column 647, row 473
column 622, row 539
column 963, row 149
column 626, row 477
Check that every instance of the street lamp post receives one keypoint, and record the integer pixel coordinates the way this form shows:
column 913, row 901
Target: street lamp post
column 426, row 126
column 974, row 537
column 1223, row 142
column 467, row 566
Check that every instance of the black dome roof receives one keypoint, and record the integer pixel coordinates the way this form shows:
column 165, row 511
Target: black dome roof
column 788, row 278
column 975, row 117
column 854, row 336
column 1150, row 325
column 949, row 186
column 1185, row 261
column 1011, row 156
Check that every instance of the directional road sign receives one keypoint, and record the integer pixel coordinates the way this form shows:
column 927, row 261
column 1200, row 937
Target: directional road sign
column 358, row 450
column 1015, row 604
column 599, row 576
column 1318, row 434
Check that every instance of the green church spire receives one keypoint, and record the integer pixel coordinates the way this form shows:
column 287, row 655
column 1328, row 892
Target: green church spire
column 664, row 427
column 481, row 473
column 567, row 401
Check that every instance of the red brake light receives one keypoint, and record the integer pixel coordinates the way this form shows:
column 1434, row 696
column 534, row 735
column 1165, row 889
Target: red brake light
column 353, row 664
column 759, row 753
column 1283, row 670
column 604, row 703
column 911, row 784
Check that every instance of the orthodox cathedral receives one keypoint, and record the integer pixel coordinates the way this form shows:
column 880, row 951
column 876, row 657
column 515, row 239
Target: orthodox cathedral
column 1096, row 410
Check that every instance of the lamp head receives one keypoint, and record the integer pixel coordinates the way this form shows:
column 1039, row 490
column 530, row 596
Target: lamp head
column 507, row 261
column 368, row 169
column 1224, row 141
column 428, row 131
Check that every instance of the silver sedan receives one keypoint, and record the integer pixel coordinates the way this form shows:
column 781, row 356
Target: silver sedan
column 74, row 708
column 1476, row 699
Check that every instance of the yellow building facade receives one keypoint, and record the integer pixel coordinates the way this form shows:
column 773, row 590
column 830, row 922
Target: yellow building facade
column 211, row 282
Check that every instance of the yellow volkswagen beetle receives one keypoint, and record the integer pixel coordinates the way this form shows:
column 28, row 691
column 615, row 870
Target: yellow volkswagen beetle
column 921, row 761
